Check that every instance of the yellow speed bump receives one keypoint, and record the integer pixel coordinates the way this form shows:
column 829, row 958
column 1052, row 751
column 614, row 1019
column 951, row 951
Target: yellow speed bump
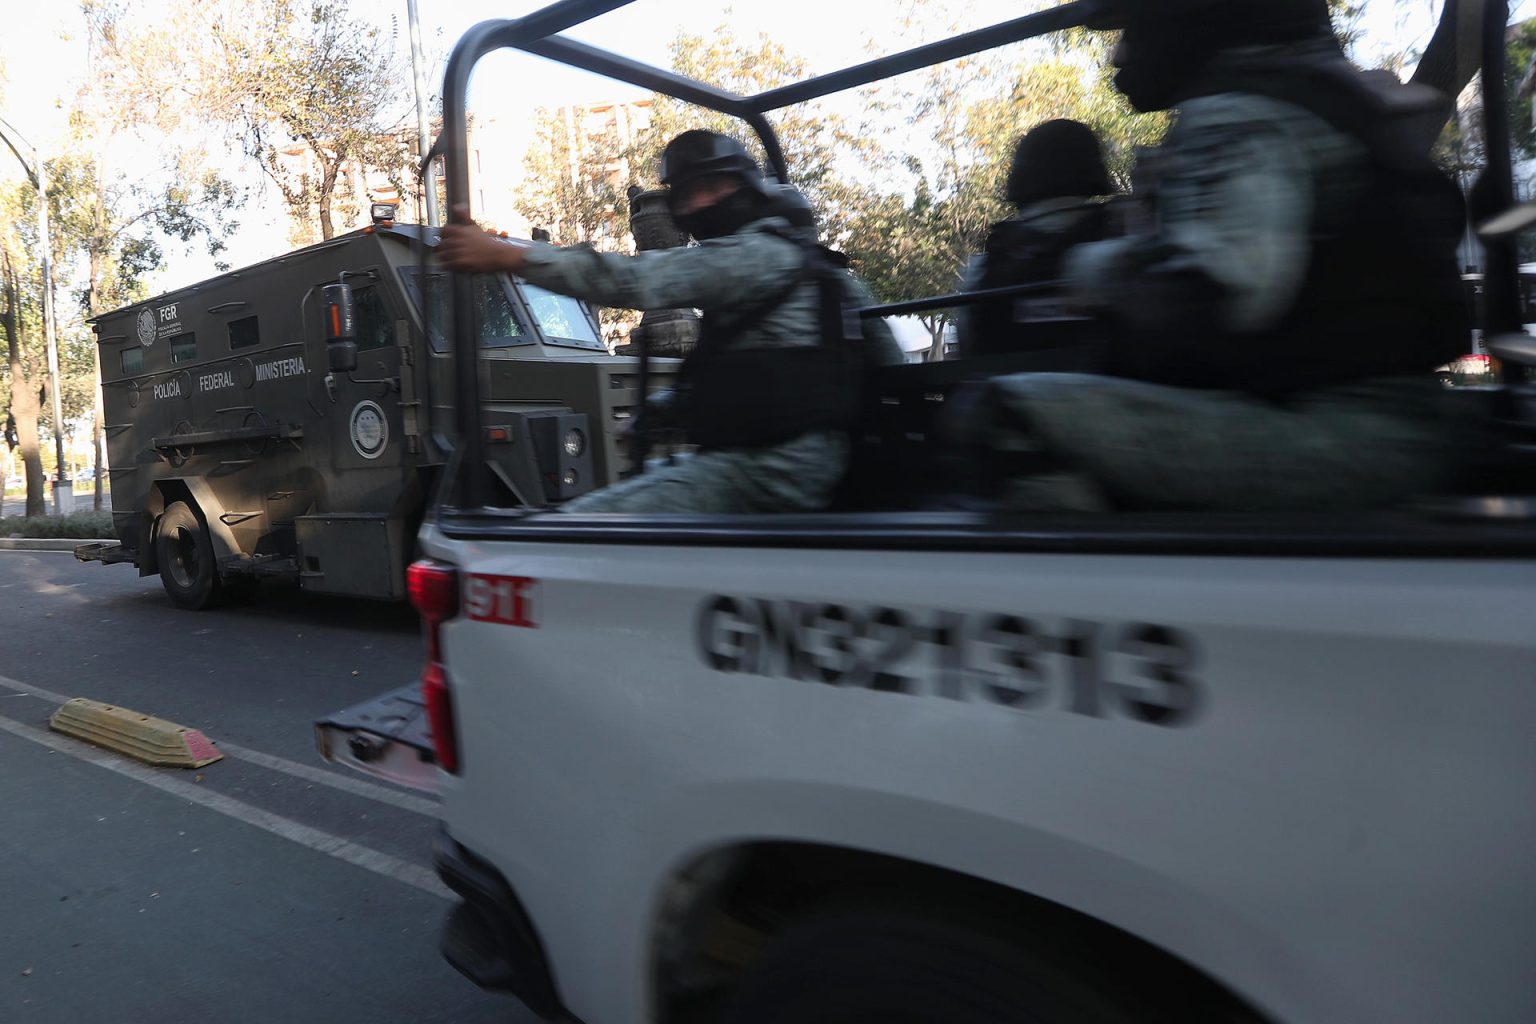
column 151, row 740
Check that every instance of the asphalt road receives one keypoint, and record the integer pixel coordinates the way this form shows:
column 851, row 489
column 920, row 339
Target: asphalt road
column 265, row 887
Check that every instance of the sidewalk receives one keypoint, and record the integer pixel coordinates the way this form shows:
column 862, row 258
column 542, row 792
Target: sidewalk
column 45, row 543
column 15, row 505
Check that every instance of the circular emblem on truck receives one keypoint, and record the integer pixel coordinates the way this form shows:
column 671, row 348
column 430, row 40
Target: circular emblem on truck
column 146, row 325
column 370, row 430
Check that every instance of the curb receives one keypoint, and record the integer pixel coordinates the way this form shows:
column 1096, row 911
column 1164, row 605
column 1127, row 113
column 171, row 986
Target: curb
column 47, row 543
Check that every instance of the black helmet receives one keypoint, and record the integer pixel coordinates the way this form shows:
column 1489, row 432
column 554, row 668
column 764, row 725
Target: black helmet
column 698, row 153
column 1168, row 46
column 1055, row 159
column 1245, row 22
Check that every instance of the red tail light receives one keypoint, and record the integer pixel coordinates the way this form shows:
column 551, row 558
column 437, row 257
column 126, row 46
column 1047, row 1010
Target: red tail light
column 434, row 591
column 439, row 699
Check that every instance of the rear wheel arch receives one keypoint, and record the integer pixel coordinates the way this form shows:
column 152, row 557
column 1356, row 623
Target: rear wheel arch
column 161, row 495
column 196, row 494
column 721, row 914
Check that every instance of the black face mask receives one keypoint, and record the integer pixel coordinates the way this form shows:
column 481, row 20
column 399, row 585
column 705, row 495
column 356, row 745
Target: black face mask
column 1166, row 59
column 726, row 217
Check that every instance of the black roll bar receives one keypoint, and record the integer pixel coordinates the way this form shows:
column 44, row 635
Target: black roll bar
column 1029, row 26
column 1494, row 191
column 537, row 33
column 454, row 146
column 955, row 300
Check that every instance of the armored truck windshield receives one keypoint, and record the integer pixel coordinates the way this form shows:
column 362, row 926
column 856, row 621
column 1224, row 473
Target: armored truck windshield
column 503, row 309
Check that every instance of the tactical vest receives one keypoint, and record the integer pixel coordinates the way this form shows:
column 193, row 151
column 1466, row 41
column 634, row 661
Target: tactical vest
column 1021, row 252
column 755, row 397
column 1382, row 296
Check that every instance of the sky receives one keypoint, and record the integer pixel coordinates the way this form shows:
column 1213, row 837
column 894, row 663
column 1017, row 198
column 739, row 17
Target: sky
column 42, row 55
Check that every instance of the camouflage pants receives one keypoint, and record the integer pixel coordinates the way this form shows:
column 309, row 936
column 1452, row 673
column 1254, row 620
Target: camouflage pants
column 797, row 476
column 1131, row 444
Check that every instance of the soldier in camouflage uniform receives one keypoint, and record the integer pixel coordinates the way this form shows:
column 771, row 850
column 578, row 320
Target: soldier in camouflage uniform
column 748, row 275
column 1055, row 183
column 1278, row 323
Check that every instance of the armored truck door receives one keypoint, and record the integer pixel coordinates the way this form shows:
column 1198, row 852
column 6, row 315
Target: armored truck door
column 355, row 540
column 366, row 416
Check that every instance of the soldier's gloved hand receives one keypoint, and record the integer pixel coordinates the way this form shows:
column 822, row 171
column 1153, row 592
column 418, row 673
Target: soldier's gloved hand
column 464, row 246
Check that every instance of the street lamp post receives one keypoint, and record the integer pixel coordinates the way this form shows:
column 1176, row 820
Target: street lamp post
column 423, row 125
column 38, row 174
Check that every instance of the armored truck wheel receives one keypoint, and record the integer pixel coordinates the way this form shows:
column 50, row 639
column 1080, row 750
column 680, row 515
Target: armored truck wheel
column 184, row 553
column 857, row 966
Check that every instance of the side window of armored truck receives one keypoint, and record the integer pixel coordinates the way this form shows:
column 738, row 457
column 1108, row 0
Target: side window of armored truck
column 375, row 327
column 183, row 348
column 243, row 333
column 500, row 326
column 133, row 361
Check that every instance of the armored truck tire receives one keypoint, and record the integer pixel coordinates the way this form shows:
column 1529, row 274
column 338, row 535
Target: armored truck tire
column 184, row 552
column 899, row 966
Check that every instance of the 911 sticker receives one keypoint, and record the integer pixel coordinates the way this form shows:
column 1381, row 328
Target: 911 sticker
column 1136, row 670
column 505, row 600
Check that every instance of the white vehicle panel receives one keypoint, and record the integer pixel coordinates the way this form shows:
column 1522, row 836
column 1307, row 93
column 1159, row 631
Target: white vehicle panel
column 1338, row 827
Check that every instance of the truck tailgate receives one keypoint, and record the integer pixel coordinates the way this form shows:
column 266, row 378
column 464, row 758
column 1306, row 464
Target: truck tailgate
column 387, row 736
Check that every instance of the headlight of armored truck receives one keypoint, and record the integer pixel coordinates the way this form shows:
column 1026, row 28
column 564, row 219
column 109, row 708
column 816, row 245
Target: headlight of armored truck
column 574, row 442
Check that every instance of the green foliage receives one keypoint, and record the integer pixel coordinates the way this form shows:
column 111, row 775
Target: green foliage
column 575, row 181
column 113, row 229
column 305, row 89
column 82, row 525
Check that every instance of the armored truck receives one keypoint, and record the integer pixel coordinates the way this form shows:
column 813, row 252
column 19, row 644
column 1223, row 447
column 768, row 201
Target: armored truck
column 289, row 419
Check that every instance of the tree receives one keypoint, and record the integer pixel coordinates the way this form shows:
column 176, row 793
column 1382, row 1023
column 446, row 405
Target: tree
column 113, row 227
column 574, row 179
column 21, row 420
column 319, row 85
column 314, row 96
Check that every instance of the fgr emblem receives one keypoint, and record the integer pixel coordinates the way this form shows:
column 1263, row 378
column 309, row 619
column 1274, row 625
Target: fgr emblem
column 146, row 327
column 370, row 430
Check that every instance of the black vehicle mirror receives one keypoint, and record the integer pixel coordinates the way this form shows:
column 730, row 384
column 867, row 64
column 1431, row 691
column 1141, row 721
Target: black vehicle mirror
column 340, row 327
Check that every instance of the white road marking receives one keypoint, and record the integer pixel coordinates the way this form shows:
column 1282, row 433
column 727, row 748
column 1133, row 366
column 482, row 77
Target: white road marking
column 321, row 842
column 310, row 773
column 421, row 805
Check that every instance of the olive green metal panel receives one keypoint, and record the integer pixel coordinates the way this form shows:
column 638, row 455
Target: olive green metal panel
column 356, row 555
column 607, row 390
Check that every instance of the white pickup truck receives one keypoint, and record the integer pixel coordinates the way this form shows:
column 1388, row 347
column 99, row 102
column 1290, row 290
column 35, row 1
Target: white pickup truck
column 1130, row 774
column 938, row 767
